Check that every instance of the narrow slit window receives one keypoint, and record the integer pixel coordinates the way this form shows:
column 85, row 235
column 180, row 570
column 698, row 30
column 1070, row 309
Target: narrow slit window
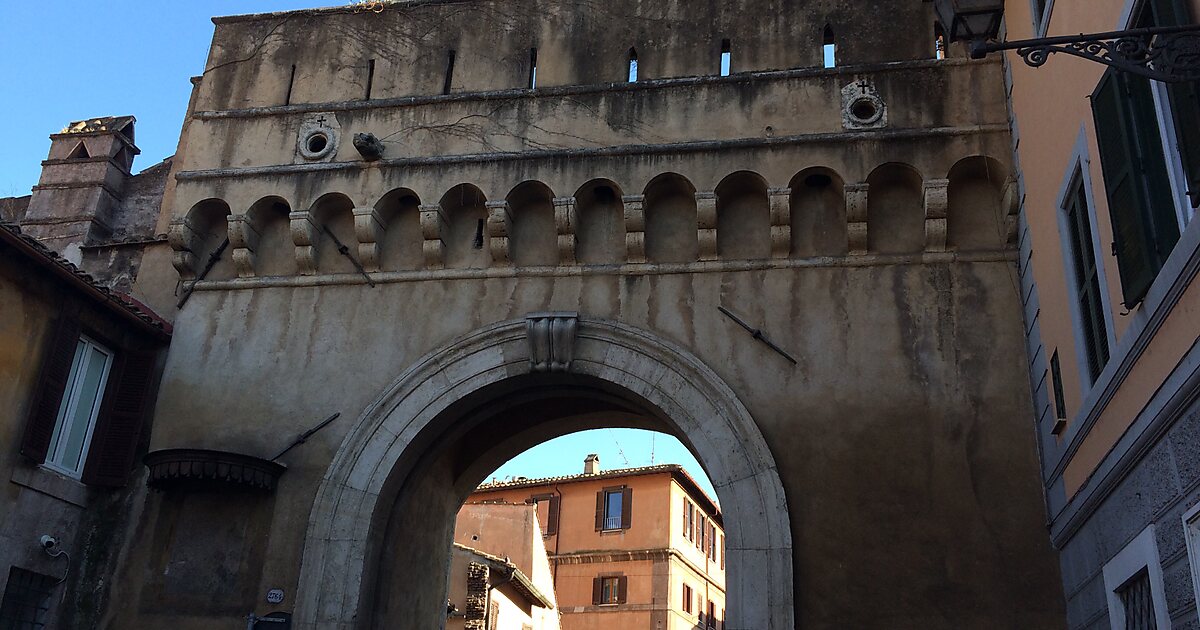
column 370, row 77
column 726, row 57
column 633, row 65
column 478, row 244
column 829, row 48
column 449, row 73
column 287, row 100
column 532, row 68
column 939, row 41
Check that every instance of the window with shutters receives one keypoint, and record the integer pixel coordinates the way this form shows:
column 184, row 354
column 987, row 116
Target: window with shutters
column 689, row 520
column 547, row 512
column 1086, row 280
column 610, row 590
column 686, row 602
column 711, row 617
column 80, row 407
column 26, row 603
column 1040, row 10
column 87, row 412
column 1149, row 142
column 614, row 508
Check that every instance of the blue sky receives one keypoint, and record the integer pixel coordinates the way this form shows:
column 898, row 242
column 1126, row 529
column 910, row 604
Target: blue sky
column 68, row 60
column 617, row 448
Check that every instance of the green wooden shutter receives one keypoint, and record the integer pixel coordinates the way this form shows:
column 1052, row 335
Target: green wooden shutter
column 52, row 383
column 1126, row 161
column 119, row 427
column 1185, row 102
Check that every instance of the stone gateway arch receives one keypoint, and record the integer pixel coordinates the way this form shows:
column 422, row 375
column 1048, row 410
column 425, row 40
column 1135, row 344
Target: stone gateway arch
column 522, row 252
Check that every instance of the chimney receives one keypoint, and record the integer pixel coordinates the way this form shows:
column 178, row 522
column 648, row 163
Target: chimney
column 591, row 464
column 82, row 183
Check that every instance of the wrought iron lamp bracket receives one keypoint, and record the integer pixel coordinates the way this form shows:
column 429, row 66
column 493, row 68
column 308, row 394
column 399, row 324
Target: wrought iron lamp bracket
column 1169, row 54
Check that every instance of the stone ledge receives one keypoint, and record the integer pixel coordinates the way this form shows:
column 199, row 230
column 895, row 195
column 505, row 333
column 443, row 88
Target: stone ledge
column 51, row 484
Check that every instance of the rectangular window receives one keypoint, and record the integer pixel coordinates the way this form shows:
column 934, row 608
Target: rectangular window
column 1191, row 535
column 712, row 615
column 687, row 599
column 614, row 507
column 1137, row 173
column 26, row 603
column 610, row 588
column 547, row 512
column 701, row 541
column 1086, row 275
column 726, row 57
column 689, row 520
column 1038, row 9
column 79, row 408
column 1134, row 582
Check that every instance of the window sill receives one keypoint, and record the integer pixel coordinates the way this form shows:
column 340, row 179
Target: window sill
column 50, row 483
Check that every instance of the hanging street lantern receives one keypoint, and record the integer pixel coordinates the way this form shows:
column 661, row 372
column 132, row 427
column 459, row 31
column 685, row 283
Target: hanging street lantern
column 1170, row 54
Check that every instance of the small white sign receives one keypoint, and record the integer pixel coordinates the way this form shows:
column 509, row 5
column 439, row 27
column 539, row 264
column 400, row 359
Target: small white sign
column 275, row 596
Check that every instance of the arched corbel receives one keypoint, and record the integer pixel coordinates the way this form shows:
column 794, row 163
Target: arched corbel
column 306, row 236
column 937, row 199
column 856, row 217
column 433, row 227
column 243, row 238
column 635, row 228
column 706, row 224
column 368, row 229
column 781, row 221
column 1011, row 206
column 564, row 224
column 499, row 217
column 183, row 239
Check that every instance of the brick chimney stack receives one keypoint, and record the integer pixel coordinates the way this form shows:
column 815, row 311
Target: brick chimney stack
column 81, row 184
column 591, row 464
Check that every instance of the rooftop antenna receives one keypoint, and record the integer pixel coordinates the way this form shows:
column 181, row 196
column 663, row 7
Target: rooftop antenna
column 651, row 449
column 619, row 451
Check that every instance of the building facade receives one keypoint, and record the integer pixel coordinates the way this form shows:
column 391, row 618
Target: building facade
column 500, row 574
column 1109, row 167
column 629, row 548
column 782, row 231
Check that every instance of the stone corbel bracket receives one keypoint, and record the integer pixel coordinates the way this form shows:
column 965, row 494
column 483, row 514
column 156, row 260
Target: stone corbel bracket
column 1010, row 205
column 856, row 217
column 499, row 217
column 564, row 224
column 306, row 236
column 937, row 200
column 781, row 221
column 635, row 228
column 706, row 224
column 433, row 229
column 243, row 238
column 551, row 339
column 183, row 239
column 368, row 229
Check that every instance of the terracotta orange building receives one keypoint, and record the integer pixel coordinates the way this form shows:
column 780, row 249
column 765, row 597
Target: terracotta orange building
column 628, row 548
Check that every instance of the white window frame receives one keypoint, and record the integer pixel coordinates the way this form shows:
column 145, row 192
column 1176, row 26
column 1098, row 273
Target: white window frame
column 1141, row 553
column 1166, row 130
column 69, row 406
column 605, row 523
column 1078, row 170
column 1041, row 22
column 1191, row 535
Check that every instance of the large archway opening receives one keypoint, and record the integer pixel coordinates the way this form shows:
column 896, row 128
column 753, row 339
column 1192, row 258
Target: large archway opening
column 375, row 554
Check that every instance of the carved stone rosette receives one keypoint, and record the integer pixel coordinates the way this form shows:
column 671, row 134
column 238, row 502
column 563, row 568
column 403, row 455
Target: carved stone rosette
column 499, row 217
column 635, row 228
column 706, row 224
column 564, row 224
column 368, row 229
column 243, row 238
column 433, row 226
column 551, row 339
column 856, row 217
column 937, row 199
column 305, row 235
column 781, row 221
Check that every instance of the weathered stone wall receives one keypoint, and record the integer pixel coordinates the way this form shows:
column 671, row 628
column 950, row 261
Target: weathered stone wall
column 878, row 256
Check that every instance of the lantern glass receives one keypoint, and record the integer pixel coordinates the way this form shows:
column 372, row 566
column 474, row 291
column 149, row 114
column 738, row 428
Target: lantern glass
column 970, row 20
